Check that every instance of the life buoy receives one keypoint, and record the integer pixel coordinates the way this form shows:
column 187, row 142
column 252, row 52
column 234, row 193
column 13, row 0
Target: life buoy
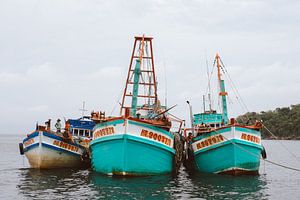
column 21, row 148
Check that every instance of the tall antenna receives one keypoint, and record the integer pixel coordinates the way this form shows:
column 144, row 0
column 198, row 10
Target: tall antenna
column 83, row 109
column 209, row 88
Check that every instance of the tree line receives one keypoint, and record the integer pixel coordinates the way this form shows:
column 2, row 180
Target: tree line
column 283, row 122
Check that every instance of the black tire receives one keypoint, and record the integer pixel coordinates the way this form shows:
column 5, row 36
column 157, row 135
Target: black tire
column 263, row 153
column 21, row 148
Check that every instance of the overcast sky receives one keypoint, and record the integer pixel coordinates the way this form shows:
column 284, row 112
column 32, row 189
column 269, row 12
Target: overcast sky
column 55, row 54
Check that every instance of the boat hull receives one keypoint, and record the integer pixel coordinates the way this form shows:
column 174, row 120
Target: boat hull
column 232, row 150
column 129, row 149
column 45, row 151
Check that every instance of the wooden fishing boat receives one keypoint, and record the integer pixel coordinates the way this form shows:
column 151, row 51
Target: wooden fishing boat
column 47, row 149
column 139, row 141
column 218, row 145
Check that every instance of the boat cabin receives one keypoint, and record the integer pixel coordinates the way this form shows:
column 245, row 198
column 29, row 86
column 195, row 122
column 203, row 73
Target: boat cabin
column 208, row 118
column 82, row 127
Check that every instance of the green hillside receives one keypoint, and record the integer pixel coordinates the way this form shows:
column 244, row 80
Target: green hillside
column 283, row 122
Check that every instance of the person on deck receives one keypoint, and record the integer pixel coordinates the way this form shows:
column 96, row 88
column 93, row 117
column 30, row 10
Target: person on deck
column 189, row 139
column 67, row 126
column 67, row 135
column 58, row 126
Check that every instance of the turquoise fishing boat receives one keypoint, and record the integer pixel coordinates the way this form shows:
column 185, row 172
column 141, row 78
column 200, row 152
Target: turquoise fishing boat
column 218, row 145
column 139, row 141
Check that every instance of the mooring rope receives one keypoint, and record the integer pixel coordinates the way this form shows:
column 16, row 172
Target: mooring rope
column 284, row 166
column 281, row 143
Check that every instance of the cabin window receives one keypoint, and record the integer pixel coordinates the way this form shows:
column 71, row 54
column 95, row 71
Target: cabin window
column 80, row 132
column 86, row 133
column 217, row 125
column 91, row 133
column 75, row 132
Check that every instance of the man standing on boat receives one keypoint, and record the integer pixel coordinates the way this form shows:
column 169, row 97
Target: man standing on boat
column 58, row 125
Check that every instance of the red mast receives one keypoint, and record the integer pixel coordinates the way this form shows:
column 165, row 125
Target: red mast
column 142, row 77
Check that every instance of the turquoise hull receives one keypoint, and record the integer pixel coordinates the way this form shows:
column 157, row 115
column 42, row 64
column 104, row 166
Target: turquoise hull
column 232, row 150
column 229, row 158
column 130, row 154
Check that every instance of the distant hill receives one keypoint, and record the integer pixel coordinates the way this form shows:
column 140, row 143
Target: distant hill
column 283, row 122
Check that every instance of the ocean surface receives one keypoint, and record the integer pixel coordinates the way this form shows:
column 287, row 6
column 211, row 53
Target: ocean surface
column 18, row 181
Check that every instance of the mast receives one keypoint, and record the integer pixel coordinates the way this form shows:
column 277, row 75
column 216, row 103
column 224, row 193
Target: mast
column 209, row 89
column 140, row 78
column 222, row 93
column 83, row 109
column 136, row 79
column 209, row 100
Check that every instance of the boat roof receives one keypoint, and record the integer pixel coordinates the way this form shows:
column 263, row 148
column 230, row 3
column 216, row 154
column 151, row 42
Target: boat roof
column 82, row 123
column 209, row 117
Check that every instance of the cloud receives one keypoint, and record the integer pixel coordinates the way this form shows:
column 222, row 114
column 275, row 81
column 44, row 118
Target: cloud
column 38, row 108
column 60, row 54
column 6, row 77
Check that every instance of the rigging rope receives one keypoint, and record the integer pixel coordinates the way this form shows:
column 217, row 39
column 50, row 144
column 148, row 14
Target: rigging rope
column 117, row 102
column 235, row 90
column 244, row 106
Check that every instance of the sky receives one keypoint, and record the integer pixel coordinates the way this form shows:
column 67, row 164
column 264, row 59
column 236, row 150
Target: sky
column 56, row 54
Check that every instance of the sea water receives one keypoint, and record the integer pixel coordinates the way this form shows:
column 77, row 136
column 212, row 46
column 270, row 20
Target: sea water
column 18, row 181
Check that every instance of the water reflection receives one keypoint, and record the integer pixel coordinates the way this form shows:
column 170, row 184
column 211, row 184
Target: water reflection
column 131, row 187
column 54, row 184
column 213, row 186
column 85, row 184
column 277, row 183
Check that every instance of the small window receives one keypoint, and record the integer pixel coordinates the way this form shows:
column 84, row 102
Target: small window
column 81, row 132
column 86, row 133
column 75, row 132
column 91, row 132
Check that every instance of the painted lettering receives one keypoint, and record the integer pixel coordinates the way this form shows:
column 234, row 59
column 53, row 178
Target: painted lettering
column 250, row 138
column 156, row 136
column 29, row 142
column 65, row 146
column 104, row 132
column 210, row 141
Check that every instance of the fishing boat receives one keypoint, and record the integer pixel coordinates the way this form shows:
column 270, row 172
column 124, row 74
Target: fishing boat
column 216, row 144
column 46, row 149
column 139, row 141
